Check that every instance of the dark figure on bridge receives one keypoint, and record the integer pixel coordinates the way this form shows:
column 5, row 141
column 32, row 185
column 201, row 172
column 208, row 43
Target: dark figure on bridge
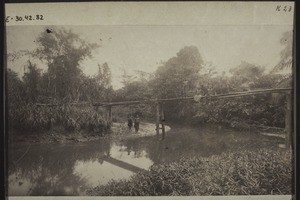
column 130, row 122
column 203, row 90
column 137, row 123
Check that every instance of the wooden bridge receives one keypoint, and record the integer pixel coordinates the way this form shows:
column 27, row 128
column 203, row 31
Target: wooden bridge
column 122, row 164
column 160, row 115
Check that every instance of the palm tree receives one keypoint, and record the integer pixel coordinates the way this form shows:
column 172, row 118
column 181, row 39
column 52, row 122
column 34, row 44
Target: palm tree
column 286, row 62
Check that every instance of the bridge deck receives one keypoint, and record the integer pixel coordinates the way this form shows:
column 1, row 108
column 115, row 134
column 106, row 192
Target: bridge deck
column 218, row 96
column 123, row 164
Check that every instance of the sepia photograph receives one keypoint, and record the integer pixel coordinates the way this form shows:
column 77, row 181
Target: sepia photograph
column 199, row 106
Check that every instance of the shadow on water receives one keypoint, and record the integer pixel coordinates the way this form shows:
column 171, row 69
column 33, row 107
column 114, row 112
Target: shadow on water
column 56, row 169
column 187, row 142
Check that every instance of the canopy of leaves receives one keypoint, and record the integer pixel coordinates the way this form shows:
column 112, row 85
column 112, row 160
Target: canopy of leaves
column 63, row 51
column 287, row 53
column 63, row 43
column 31, row 81
column 179, row 75
column 15, row 88
column 185, row 74
column 247, row 70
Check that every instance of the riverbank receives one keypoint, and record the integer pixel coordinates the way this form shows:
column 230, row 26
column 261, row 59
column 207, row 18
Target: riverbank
column 54, row 136
column 146, row 129
column 118, row 131
column 247, row 172
column 86, row 163
column 59, row 135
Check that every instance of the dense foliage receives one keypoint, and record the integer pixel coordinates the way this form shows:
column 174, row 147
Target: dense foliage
column 263, row 109
column 185, row 74
column 62, row 83
column 245, row 172
column 33, row 117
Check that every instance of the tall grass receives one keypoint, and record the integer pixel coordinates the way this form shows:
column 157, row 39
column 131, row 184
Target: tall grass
column 240, row 173
column 33, row 117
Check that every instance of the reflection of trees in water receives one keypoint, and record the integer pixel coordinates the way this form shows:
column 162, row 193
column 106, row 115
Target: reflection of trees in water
column 164, row 151
column 133, row 145
column 149, row 144
column 189, row 142
column 50, row 167
column 63, row 183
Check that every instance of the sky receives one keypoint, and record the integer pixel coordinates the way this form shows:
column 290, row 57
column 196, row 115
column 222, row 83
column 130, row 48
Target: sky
column 144, row 47
column 145, row 33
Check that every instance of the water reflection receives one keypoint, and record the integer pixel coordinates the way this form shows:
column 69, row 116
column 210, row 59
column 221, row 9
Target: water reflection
column 187, row 142
column 95, row 173
column 70, row 169
column 130, row 154
column 48, row 169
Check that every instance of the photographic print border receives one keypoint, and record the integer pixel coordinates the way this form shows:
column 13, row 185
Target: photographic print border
column 296, row 72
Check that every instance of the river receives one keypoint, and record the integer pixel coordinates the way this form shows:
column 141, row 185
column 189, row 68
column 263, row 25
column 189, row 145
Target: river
column 70, row 169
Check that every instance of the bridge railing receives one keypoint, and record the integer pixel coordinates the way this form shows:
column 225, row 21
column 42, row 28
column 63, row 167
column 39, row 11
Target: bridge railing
column 160, row 120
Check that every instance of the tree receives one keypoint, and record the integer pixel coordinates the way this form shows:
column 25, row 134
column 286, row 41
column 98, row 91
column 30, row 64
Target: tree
column 247, row 70
column 178, row 77
column 15, row 88
column 245, row 75
column 102, row 83
column 286, row 54
column 63, row 51
column 31, row 81
column 103, row 78
column 62, row 42
column 286, row 61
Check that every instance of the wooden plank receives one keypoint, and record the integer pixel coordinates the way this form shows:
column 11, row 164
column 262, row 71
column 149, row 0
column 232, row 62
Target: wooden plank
column 157, row 118
column 288, row 120
column 67, row 104
column 266, row 127
column 219, row 96
column 109, row 116
column 123, row 164
column 120, row 103
column 235, row 94
column 162, row 121
column 228, row 95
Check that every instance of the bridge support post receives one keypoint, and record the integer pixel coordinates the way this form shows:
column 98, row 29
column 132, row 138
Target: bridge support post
column 109, row 116
column 288, row 121
column 162, row 121
column 157, row 117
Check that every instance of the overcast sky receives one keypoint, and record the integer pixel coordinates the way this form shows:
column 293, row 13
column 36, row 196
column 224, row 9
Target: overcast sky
column 145, row 33
column 143, row 47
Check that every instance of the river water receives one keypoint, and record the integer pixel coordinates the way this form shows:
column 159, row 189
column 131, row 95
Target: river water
column 70, row 169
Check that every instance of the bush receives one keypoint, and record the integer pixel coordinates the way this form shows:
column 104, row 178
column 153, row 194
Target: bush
column 33, row 117
column 240, row 173
column 244, row 110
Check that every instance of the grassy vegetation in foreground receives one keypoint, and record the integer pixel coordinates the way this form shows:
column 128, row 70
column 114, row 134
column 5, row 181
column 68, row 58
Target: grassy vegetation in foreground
column 36, row 118
column 245, row 172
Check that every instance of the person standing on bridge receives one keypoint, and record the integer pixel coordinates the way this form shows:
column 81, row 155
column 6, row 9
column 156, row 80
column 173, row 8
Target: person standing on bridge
column 130, row 122
column 203, row 90
column 137, row 123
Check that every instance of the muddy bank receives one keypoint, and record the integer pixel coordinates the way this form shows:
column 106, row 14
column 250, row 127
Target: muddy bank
column 59, row 135
column 146, row 129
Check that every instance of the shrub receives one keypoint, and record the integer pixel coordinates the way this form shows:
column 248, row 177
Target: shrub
column 244, row 110
column 246, row 172
column 33, row 117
